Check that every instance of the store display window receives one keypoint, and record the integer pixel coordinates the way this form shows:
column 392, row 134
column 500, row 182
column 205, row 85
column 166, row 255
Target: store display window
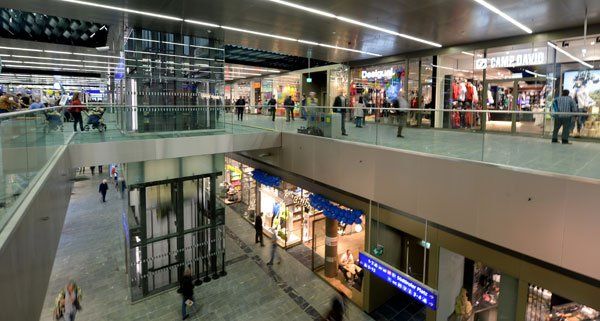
column 238, row 188
column 543, row 305
column 287, row 212
column 377, row 85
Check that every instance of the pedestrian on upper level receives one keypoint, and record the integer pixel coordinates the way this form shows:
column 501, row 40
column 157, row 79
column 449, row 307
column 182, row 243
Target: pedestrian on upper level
column 75, row 111
column 341, row 103
column 563, row 104
column 272, row 107
column 240, row 104
column 288, row 103
column 400, row 105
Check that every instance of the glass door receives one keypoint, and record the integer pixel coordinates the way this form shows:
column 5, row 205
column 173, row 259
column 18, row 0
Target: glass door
column 501, row 100
column 318, row 244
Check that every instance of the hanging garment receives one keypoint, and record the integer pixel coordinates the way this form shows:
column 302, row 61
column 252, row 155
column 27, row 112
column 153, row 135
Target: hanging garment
column 462, row 94
column 470, row 91
column 455, row 91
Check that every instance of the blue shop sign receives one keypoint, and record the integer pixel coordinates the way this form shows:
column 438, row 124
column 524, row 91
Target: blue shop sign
column 400, row 280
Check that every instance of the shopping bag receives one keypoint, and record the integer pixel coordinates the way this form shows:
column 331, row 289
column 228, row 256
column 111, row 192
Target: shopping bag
column 189, row 303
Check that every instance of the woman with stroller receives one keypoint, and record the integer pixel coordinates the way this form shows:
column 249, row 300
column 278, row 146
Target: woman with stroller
column 75, row 111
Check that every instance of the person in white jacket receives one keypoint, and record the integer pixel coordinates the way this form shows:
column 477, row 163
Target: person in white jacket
column 359, row 113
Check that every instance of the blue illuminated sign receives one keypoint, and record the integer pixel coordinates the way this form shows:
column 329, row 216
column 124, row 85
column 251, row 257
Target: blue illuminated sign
column 400, row 280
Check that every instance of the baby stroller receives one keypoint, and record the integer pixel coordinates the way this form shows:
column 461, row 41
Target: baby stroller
column 95, row 121
column 53, row 121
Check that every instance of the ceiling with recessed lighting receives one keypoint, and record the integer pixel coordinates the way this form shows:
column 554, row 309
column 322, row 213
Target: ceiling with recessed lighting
column 17, row 24
column 330, row 28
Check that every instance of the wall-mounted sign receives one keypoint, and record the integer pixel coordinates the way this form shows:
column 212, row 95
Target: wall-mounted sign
column 509, row 61
column 377, row 74
column 400, row 280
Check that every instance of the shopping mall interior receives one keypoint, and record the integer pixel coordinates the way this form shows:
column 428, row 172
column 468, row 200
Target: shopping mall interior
column 300, row 160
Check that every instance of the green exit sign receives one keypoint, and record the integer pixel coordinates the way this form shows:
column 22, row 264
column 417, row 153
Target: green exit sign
column 378, row 250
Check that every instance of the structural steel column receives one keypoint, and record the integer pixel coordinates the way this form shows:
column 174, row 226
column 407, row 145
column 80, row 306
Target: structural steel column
column 331, row 240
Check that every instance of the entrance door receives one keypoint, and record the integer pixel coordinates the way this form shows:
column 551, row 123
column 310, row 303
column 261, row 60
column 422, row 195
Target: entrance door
column 318, row 244
column 523, row 94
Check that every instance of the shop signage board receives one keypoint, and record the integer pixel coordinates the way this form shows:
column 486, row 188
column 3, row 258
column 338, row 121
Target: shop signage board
column 509, row 61
column 378, row 74
column 400, row 280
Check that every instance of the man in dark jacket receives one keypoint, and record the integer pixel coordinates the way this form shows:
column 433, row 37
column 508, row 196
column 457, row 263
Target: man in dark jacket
column 272, row 107
column 240, row 104
column 340, row 102
column 102, row 190
column 258, row 227
column 186, row 288
column 289, row 108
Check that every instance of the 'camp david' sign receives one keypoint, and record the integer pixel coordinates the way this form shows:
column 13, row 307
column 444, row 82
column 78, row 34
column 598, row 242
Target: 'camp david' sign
column 508, row 61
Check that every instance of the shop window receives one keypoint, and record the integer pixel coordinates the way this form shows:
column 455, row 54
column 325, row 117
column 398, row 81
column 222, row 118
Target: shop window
column 543, row 305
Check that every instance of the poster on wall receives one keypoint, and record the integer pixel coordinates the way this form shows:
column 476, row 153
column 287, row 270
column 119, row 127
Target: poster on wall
column 584, row 86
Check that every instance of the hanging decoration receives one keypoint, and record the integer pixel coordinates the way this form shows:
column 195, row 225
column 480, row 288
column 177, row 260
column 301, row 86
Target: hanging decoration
column 266, row 179
column 335, row 211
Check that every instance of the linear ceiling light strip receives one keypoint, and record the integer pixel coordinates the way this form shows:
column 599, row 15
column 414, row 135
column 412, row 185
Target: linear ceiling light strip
column 566, row 53
column 504, row 15
column 356, row 22
column 145, row 13
column 252, row 31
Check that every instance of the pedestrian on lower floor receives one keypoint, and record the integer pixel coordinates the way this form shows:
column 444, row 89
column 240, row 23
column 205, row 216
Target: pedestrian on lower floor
column 102, row 189
column 99, row 169
column 338, row 308
column 258, row 227
column 274, row 249
column 186, row 288
column 68, row 302
column 93, row 169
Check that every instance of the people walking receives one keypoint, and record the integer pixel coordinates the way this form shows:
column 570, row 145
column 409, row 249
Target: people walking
column 274, row 249
column 240, row 104
column 258, row 227
column 75, row 111
column 93, row 169
column 186, row 288
column 400, row 105
column 303, row 107
column 102, row 189
column 68, row 302
column 272, row 107
column 338, row 308
column 289, row 108
column 340, row 103
column 563, row 104
column 359, row 112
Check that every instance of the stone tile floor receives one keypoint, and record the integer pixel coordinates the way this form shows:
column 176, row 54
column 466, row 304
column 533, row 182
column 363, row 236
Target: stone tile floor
column 91, row 251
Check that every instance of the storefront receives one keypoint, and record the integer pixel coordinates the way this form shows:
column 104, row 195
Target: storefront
column 299, row 220
column 377, row 85
column 543, row 305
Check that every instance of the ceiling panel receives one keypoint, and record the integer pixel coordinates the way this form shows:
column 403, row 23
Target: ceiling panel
column 448, row 22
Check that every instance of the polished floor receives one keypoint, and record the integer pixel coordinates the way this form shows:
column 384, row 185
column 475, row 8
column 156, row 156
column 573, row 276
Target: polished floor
column 582, row 158
column 91, row 252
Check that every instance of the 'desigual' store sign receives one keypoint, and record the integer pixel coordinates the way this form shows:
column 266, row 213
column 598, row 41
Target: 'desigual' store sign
column 377, row 74
column 508, row 61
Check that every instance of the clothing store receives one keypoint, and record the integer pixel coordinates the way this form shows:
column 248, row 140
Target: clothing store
column 299, row 218
column 376, row 85
column 543, row 305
